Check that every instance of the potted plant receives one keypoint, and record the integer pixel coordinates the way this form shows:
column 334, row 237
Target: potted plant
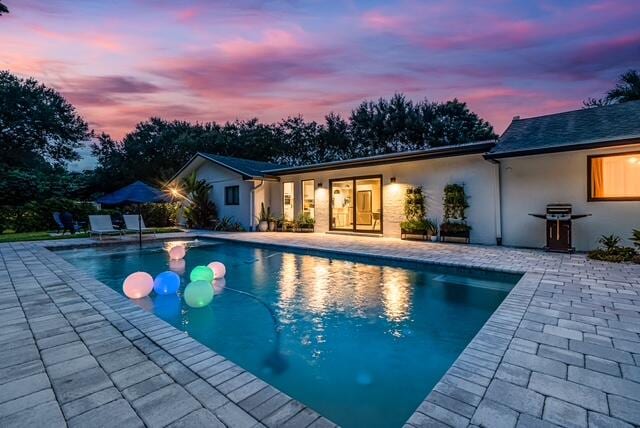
column 415, row 213
column 434, row 235
column 455, row 202
column 263, row 218
column 304, row 223
column 273, row 223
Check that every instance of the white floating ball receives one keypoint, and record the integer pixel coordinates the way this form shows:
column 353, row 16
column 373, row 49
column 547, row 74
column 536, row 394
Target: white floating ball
column 218, row 269
column 137, row 285
column 177, row 252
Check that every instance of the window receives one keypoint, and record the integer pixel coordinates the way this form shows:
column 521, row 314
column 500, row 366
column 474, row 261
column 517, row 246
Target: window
column 614, row 177
column 308, row 198
column 288, row 200
column 232, row 195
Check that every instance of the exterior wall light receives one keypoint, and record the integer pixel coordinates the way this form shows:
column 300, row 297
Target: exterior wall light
column 319, row 185
column 392, row 179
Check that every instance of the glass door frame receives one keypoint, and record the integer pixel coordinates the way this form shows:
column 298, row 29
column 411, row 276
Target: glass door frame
column 353, row 180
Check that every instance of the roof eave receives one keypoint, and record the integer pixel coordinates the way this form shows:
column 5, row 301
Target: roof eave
column 566, row 148
column 448, row 151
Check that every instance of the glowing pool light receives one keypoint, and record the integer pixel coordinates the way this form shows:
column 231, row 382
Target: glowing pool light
column 218, row 285
column 177, row 252
column 166, row 283
column 219, row 270
column 137, row 285
column 198, row 294
column 201, row 273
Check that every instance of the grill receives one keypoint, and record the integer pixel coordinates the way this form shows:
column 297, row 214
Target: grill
column 559, row 219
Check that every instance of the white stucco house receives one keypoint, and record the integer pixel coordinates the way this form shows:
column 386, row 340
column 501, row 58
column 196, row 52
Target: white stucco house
column 587, row 158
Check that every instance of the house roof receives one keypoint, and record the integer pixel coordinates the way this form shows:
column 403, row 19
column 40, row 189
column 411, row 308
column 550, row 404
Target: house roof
column 245, row 167
column 435, row 152
column 610, row 125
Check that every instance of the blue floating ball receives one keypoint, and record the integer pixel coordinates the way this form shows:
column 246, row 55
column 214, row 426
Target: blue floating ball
column 166, row 283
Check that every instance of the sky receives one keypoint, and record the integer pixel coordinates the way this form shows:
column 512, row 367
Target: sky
column 120, row 62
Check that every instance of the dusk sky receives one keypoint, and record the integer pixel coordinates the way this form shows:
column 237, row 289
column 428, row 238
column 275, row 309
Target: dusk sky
column 120, row 62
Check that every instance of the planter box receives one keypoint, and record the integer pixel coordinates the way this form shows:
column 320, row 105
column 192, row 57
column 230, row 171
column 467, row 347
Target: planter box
column 461, row 237
column 414, row 234
column 304, row 229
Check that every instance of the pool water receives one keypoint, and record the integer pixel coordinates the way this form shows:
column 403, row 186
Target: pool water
column 359, row 341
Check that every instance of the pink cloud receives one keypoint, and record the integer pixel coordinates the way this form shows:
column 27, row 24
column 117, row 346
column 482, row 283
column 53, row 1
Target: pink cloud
column 379, row 21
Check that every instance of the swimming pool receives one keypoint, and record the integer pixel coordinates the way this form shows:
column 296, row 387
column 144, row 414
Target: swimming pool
column 360, row 341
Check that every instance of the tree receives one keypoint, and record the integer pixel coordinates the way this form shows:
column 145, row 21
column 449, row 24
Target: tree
column 39, row 133
column 3, row 9
column 627, row 89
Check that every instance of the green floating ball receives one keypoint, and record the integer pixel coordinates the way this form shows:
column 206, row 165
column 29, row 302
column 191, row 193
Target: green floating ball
column 201, row 273
column 198, row 294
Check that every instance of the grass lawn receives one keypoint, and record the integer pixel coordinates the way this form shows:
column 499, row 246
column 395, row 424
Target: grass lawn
column 42, row 236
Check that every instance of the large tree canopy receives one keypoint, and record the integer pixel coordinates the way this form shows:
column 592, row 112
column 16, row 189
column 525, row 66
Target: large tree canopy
column 156, row 148
column 39, row 132
column 627, row 89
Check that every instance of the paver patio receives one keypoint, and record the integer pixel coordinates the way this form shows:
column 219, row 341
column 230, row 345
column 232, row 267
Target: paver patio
column 563, row 348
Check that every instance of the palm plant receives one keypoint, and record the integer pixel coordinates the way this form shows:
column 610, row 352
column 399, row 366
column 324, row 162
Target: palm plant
column 636, row 237
column 627, row 88
column 609, row 242
column 200, row 211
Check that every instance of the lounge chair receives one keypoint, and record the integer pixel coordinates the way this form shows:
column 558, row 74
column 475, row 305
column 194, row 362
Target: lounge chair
column 66, row 223
column 131, row 224
column 101, row 225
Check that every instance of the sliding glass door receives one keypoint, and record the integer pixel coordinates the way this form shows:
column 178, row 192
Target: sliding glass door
column 356, row 204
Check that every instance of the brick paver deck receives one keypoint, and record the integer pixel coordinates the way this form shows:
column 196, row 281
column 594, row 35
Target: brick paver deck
column 562, row 349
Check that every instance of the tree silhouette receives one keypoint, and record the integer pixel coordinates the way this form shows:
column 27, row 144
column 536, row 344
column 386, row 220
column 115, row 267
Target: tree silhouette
column 627, row 89
column 3, row 9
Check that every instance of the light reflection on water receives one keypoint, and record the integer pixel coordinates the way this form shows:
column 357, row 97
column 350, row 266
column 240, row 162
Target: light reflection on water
column 361, row 343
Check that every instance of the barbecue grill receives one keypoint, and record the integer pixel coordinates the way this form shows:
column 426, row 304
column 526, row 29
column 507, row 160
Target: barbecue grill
column 559, row 224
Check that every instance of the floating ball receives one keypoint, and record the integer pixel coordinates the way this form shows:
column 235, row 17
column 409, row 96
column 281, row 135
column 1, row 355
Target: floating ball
column 219, row 270
column 177, row 252
column 201, row 273
column 177, row 266
column 137, row 285
column 218, row 285
column 198, row 294
column 166, row 283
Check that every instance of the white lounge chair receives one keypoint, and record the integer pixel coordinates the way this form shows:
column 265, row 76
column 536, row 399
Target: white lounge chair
column 131, row 224
column 101, row 225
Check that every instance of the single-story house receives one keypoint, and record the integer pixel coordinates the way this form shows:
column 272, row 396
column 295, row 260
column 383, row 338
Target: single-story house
column 589, row 158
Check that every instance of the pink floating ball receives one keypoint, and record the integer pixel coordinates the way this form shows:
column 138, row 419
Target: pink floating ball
column 218, row 269
column 177, row 252
column 137, row 285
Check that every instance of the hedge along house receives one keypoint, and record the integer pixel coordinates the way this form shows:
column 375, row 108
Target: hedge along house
column 588, row 158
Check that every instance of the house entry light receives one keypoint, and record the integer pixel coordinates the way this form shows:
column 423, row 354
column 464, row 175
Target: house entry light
column 392, row 179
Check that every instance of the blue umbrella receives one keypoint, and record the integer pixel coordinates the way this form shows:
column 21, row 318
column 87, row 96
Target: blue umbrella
column 135, row 193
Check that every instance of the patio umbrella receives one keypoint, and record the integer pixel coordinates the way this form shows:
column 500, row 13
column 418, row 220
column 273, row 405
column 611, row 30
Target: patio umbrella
column 135, row 193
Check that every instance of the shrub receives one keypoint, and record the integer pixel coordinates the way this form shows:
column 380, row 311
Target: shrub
column 228, row 224
column 418, row 225
column 200, row 212
column 156, row 215
column 635, row 237
column 611, row 251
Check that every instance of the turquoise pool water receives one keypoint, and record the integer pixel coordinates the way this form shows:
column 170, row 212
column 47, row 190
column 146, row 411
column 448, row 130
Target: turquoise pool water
column 359, row 341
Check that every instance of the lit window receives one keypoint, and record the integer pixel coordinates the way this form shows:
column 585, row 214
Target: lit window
column 614, row 177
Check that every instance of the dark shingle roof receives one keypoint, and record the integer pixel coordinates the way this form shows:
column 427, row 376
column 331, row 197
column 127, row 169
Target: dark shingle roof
column 571, row 130
column 246, row 167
